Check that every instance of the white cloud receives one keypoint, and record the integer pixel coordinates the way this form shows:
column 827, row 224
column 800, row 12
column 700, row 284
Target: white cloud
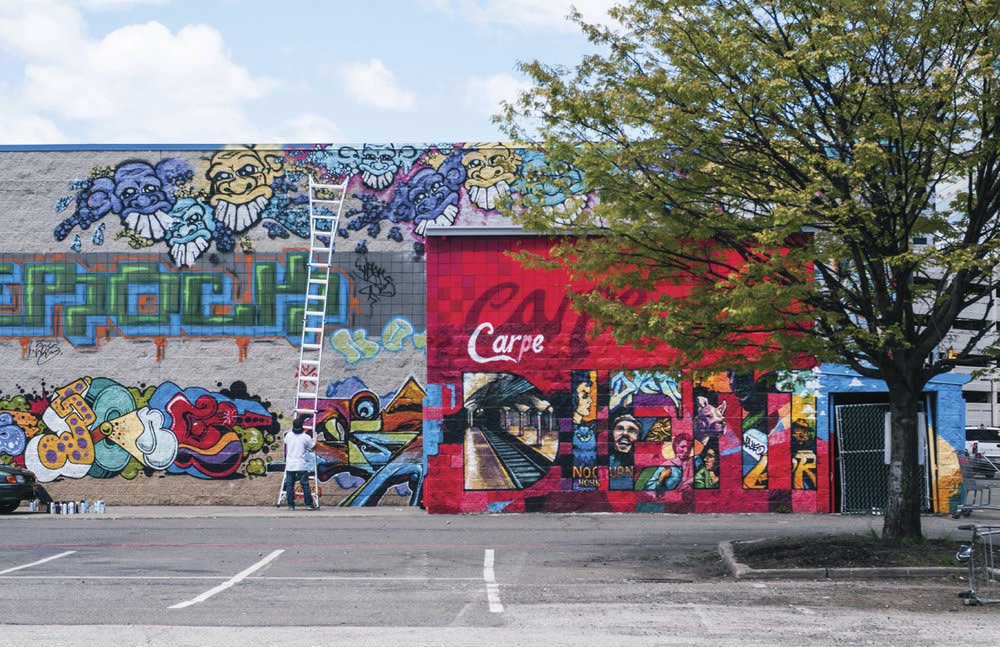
column 309, row 128
column 373, row 84
column 141, row 82
column 525, row 14
column 484, row 94
column 20, row 127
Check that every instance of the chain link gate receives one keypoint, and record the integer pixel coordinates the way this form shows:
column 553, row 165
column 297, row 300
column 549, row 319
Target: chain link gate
column 864, row 473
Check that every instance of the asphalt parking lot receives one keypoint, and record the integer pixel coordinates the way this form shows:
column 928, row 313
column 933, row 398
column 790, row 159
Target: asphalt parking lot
column 408, row 578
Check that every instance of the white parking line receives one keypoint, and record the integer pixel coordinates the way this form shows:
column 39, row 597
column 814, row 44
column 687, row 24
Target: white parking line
column 492, row 588
column 236, row 579
column 41, row 561
column 318, row 578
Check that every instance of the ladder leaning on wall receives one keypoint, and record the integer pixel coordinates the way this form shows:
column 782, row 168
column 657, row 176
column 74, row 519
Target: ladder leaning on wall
column 326, row 202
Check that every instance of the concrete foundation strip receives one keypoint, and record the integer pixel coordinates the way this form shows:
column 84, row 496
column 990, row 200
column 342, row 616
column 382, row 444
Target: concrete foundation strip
column 741, row 571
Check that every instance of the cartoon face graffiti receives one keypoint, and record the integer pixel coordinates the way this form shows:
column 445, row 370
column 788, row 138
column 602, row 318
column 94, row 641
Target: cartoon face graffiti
column 12, row 437
column 241, row 185
column 430, row 196
column 554, row 186
column 491, row 170
column 379, row 164
column 624, row 434
column 191, row 232
column 143, row 196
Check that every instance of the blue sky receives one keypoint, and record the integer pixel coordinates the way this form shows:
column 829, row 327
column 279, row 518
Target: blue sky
column 294, row 71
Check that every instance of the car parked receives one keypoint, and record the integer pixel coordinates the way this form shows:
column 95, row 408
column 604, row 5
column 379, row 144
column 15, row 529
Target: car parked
column 16, row 485
column 983, row 447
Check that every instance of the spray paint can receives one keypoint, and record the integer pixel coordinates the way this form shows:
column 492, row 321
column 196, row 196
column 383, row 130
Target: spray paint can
column 52, row 507
column 100, row 507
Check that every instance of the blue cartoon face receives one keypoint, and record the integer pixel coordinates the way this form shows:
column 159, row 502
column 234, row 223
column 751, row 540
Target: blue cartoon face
column 191, row 232
column 378, row 164
column 429, row 196
column 12, row 437
column 566, row 185
column 140, row 190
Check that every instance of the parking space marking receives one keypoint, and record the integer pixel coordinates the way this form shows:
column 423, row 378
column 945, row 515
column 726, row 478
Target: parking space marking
column 366, row 578
column 41, row 561
column 492, row 588
column 233, row 581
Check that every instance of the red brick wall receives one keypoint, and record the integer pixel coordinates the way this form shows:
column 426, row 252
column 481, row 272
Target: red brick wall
column 512, row 436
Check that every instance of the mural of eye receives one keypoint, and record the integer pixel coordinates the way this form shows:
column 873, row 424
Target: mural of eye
column 150, row 188
column 249, row 169
column 365, row 406
column 218, row 177
column 128, row 193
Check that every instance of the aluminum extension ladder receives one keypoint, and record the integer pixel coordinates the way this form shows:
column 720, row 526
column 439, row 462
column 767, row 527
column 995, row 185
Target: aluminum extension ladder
column 326, row 203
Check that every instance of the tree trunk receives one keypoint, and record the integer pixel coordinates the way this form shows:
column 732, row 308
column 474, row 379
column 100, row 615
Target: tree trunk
column 902, row 515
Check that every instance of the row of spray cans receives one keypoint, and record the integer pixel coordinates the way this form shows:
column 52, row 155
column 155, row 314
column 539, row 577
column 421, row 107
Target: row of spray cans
column 70, row 507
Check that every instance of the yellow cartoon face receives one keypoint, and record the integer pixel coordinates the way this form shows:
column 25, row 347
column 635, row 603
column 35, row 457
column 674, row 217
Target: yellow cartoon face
column 241, row 185
column 242, row 175
column 490, row 170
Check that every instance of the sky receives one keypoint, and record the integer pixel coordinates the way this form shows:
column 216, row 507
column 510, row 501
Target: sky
column 288, row 71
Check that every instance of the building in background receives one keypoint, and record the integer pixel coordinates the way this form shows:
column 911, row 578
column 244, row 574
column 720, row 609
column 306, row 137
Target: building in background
column 151, row 305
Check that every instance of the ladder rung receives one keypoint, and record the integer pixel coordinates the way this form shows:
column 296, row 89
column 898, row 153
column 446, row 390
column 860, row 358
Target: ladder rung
column 318, row 281
column 331, row 201
column 308, row 396
column 314, row 313
column 311, row 362
column 312, row 346
column 317, row 185
column 320, row 265
column 314, row 329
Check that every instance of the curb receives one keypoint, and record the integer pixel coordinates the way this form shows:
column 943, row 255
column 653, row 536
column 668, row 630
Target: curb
column 741, row 571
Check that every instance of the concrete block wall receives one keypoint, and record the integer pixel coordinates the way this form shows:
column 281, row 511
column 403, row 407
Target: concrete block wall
column 150, row 312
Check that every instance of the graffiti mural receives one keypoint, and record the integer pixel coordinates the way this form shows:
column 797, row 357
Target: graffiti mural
column 99, row 428
column 47, row 297
column 185, row 206
column 370, row 444
column 625, row 435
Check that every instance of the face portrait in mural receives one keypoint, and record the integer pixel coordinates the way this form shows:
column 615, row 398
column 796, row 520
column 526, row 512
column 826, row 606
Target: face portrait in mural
column 430, row 196
column 491, row 169
column 707, row 476
column 241, row 185
column 624, row 434
column 191, row 232
column 583, row 397
column 683, row 443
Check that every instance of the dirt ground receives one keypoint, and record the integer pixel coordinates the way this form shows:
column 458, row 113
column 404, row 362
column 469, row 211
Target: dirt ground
column 845, row 551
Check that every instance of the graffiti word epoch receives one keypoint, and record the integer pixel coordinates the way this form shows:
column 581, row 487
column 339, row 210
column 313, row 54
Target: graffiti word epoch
column 503, row 344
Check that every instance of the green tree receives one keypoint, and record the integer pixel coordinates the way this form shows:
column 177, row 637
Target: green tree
column 778, row 160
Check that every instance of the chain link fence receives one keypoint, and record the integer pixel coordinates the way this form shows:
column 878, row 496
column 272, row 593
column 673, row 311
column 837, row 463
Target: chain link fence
column 861, row 439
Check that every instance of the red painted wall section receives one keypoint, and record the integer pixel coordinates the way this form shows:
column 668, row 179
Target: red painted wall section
column 547, row 418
